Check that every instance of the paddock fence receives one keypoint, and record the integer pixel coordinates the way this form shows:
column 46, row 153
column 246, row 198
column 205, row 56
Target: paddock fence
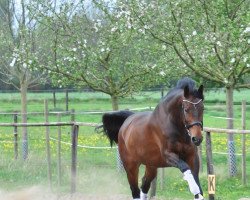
column 74, row 143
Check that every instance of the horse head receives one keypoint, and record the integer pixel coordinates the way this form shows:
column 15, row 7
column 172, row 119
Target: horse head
column 192, row 107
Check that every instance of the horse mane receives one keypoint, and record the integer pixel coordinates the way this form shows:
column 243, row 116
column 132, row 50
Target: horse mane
column 186, row 82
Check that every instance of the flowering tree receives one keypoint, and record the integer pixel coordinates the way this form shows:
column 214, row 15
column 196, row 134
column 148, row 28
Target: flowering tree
column 19, row 57
column 95, row 45
column 212, row 38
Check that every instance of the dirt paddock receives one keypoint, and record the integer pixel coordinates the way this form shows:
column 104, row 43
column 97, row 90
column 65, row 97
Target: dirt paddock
column 39, row 193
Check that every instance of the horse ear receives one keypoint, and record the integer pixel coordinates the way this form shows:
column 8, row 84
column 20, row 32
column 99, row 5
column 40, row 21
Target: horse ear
column 186, row 92
column 200, row 91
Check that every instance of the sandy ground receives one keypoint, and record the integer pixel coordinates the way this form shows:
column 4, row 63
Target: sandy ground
column 39, row 193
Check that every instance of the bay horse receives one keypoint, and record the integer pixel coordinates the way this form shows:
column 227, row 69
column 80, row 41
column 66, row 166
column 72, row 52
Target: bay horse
column 165, row 137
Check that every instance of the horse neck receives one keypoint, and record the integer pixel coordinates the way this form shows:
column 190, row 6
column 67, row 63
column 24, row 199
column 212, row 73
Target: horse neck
column 170, row 111
column 174, row 108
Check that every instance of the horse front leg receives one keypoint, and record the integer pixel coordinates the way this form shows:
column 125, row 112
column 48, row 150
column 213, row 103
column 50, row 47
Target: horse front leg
column 194, row 164
column 175, row 161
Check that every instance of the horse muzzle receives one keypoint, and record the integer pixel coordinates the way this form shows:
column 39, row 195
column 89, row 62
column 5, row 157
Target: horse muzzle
column 195, row 138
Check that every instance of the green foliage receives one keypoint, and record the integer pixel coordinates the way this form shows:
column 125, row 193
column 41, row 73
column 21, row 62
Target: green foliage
column 209, row 37
column 99, row 49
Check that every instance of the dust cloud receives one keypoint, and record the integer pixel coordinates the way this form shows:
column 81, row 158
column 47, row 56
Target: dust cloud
column 40, row 193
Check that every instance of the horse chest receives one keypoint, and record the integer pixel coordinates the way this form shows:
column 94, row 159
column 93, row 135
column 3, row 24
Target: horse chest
column 182, row 149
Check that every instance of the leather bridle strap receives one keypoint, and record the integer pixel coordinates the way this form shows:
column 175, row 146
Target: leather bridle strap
column 188, row 126
column 184, row 100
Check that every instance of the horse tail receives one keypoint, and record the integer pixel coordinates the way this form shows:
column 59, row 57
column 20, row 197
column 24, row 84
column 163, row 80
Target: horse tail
column 112, row 123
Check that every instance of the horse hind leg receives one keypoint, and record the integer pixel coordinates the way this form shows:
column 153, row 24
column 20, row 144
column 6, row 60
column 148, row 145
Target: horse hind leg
column 150, row 174
column 132, row 170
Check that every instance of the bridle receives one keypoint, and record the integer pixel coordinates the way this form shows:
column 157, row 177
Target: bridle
column 195, row 123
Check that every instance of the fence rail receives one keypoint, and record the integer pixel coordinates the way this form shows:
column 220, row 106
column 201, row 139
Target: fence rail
column 228, row 131
column 49, row 124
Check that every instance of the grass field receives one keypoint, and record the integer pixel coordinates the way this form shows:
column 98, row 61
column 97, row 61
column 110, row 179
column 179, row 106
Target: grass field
column 97, row 168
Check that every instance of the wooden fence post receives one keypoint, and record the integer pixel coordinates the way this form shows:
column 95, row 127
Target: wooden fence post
column 59, row 170
column 54, row 98
column 74, row 141
column 162, row 178
column 199, row 149
column 46, row 113
column 210, row 167
column 15, row 137
column 243, row 143
column 153, row 187
column 72, row 119
column 67, row 100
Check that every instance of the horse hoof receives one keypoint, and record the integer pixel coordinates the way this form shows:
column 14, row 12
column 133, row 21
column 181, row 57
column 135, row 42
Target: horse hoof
column 143, row 196
column 198, row 197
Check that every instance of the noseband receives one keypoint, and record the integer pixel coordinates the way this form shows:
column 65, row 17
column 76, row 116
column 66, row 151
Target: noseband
column 195, row 123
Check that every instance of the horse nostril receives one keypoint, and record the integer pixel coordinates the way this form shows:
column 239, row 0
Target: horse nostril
column 196, row 141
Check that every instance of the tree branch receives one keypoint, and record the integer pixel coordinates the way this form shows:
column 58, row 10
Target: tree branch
column 181, row 36
column 216, row 49
column 206, row 11
column 198, row 72
column 247, row 85
column 151, row 32
column 234, row 12
column 238, row 62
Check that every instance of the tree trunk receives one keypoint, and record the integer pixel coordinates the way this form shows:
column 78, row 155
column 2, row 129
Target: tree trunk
column 120, row 168
column 114, row 100
column 23, row 89
column 230, row 125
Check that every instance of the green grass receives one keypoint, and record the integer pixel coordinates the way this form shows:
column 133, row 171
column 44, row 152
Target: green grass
column 97, row 170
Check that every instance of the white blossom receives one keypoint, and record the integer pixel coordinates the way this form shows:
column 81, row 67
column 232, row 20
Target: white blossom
column 13, row 62
column 114, row 29
column 162, row 73
column 154, row 66
column 142, row 30
column 146, row 27
column 247, row 30
column 194, row 33
column 96, row 29
column 129, row 25
column 218, row 43
column 232, row 60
